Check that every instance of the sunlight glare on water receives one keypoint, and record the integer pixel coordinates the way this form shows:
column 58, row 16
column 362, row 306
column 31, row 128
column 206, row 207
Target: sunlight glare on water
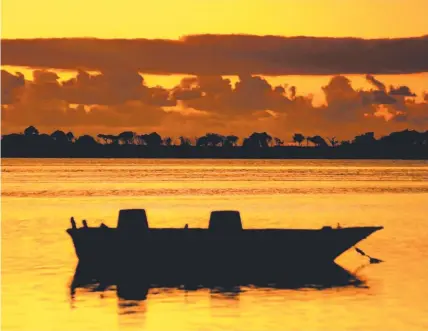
column 38, row 260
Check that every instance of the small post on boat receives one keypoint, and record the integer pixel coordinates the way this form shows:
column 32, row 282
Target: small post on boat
column 73, row 223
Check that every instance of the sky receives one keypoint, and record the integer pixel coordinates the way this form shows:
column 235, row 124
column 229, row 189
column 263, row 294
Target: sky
column 279, row 84
column 170, row 19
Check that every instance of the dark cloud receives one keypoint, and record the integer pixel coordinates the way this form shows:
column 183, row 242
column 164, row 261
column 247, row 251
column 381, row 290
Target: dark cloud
column 401, row 90
column 9, row 85
column 186, row 93
column 382, row 98
column 108, row 88
column 379, row 85
column 225, row 55
column 216, row 95
column 113, row 101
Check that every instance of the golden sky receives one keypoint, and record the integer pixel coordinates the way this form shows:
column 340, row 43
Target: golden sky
column 171, row 19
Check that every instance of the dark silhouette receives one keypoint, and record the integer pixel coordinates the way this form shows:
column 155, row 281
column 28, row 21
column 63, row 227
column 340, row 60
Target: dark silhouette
column 152, row 140
column 278, row 142
column 167, row 141
column 371, row 259
column 184, row 141
column 108, row 138
column 333, row 141
column 365, row 139
column 73, row 223
column 231, row 140
column 215, row 257
column 70, row 136
column 298, row 138
column 136, row 256
column 329, row 276
column 86, row 140
column 60, row 137
column 257, row 140
column 318, row 141
column 31, row 131
column 405, row 144
column 126, row 137
column 214, row 140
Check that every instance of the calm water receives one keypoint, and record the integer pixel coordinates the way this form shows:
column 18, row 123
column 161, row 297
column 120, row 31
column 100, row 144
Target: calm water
column 38, row 261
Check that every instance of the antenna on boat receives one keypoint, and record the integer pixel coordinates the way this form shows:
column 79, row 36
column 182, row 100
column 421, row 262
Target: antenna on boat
column 73, row 223
column 371, row 259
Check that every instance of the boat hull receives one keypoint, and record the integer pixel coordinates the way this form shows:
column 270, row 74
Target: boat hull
column 200, row 255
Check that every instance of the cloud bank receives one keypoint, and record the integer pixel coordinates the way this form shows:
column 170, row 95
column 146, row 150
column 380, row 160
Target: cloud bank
column 119, row 100
column 225, row 55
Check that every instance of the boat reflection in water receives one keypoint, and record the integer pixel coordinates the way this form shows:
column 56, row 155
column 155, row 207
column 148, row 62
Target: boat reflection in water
column 325, row 277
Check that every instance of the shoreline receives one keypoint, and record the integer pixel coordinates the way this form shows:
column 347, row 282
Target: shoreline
column 217, row 158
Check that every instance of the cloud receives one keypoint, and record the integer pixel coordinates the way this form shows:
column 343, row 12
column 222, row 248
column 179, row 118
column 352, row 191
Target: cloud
column 215, row 94
column 10, row 83
column 379, row 85
column 401, row 90
column 382, row 98
column 224, row 55
column 108, row 88
column 186, row 94
column 116, row 101
column 415, row 116
column 111, row 100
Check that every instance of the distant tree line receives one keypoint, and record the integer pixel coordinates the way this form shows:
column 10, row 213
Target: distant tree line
column 31, row 143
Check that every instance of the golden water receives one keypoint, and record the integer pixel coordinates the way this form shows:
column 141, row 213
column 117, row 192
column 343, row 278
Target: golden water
column 38, row 261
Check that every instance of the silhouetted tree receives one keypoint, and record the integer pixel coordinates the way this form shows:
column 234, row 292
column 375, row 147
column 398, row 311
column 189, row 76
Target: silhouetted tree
column 184, row 141
column 406, row 137
column 103, row 137
column 152, row 140
column 31, row 131
column 70, row 136
column 278, row 142
column 86, row 140
column 365, row 139
column 109, row 138
column 214, row 139
column 318, row 141
column 59, row 136
column 403, row 144
column 333, row 141
column 231, row 140
column 126, row 137
column 258, row 139
column 202, row 141
column 44, row 140
column 298, row 138
column 13, row 140
column 167, row 141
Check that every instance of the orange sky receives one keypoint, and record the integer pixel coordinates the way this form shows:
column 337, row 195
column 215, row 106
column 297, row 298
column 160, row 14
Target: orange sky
column 170, row 19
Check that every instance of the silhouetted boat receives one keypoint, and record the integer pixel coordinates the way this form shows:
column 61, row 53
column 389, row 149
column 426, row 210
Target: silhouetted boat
column 224, row 252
